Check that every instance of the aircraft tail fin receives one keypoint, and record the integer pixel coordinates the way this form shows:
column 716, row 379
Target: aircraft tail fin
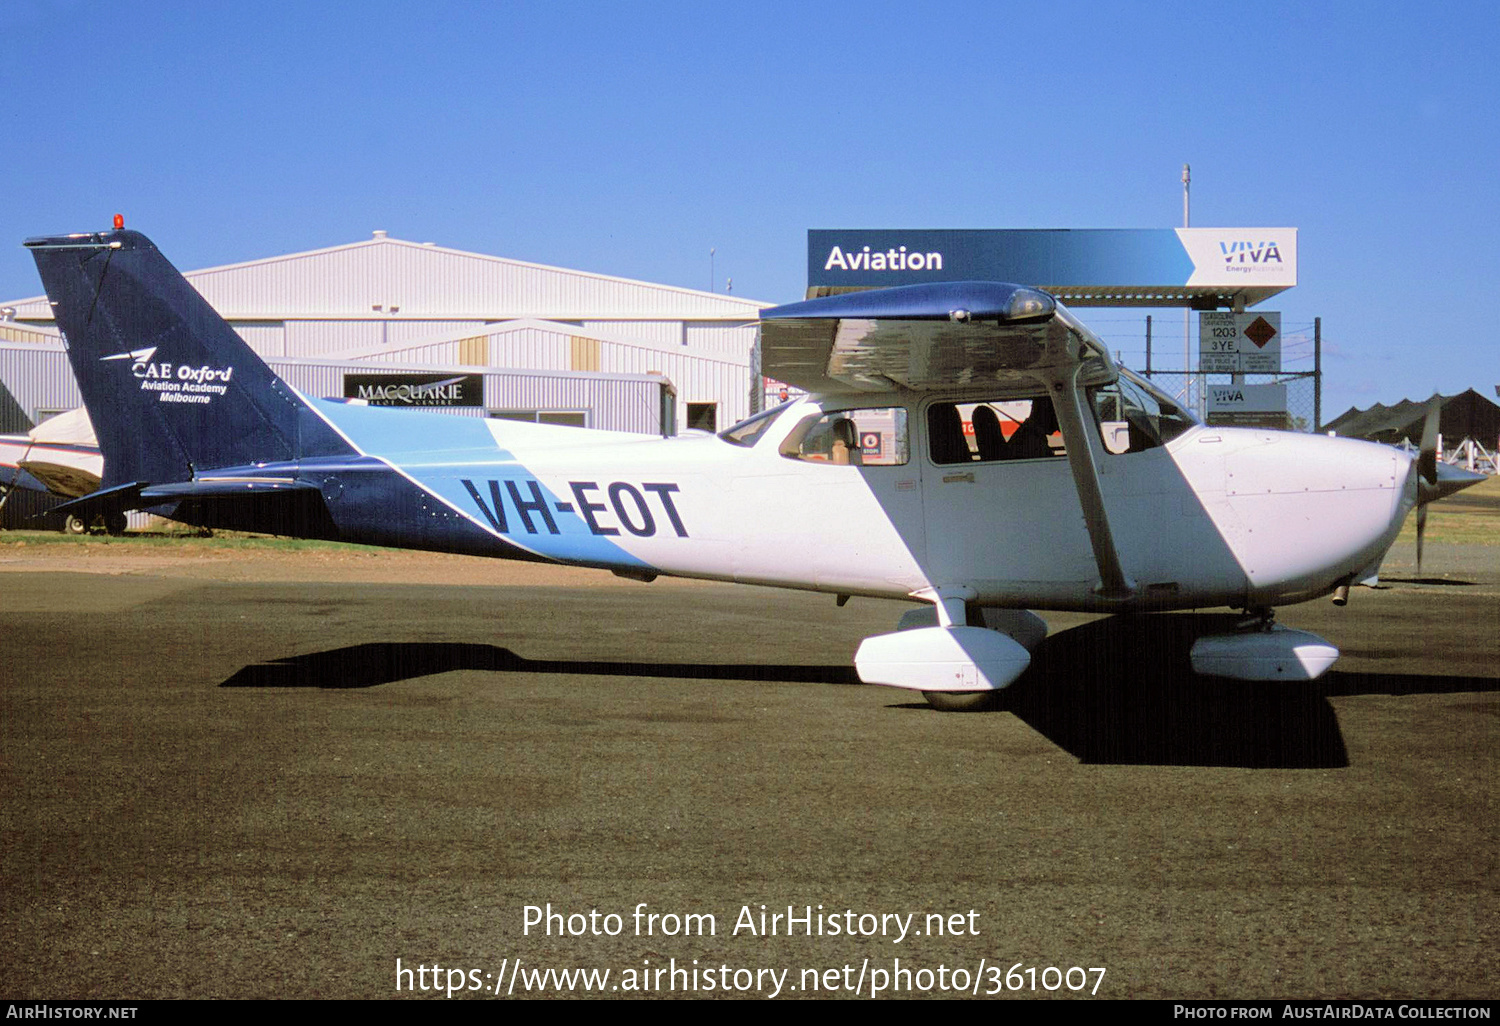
column 171, row 388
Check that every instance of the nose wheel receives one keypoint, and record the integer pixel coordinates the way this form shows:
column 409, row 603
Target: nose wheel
column 960, row 701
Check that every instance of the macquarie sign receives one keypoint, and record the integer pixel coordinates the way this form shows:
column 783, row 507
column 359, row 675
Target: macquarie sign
column 415, row 389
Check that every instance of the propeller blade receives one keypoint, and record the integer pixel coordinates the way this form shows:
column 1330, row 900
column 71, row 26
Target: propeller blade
column 1421, row 529
column 1427, row 456
column 1427, row 465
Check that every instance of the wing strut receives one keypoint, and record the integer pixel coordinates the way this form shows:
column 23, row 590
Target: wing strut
column 1068, row 401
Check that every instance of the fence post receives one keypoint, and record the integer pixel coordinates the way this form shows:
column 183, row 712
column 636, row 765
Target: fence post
column 1317, row 375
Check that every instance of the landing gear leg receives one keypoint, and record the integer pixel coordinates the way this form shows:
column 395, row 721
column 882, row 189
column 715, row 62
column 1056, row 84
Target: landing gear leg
column 1257, row 618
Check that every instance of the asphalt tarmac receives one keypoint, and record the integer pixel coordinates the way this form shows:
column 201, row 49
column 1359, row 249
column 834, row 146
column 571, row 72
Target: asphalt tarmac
column 255, row 781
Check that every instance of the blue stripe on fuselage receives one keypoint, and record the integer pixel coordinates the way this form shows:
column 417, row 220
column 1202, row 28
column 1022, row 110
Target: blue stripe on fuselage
column 458, row 460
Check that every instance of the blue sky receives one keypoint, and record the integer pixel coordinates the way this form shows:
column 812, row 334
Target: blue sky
column 628, row 139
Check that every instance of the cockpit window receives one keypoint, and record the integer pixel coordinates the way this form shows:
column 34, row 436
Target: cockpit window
column 851, row 438
column 1134, row 417
column 749, row 430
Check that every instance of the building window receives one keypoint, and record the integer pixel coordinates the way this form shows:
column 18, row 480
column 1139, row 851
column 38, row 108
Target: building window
column 568, row 418
column 703, row 416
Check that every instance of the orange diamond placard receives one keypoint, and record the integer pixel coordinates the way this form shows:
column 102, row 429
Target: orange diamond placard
column 1260, row 332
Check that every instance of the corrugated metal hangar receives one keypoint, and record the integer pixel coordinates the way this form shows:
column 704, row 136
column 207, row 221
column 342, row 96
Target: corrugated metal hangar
column 529, row 341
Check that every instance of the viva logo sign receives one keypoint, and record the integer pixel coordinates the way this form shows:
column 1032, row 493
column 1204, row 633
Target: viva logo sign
column 1250, row 252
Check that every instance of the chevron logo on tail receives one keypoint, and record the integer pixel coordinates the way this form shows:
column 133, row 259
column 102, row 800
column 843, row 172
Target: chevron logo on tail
column 134, row 356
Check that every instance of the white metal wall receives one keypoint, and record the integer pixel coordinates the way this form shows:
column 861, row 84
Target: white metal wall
column 699, row 376
column 615, row 404
column 39, row 377
column 533, row 347
column 662, row 333
column 41, row 381
column 266, row 339
column 731, row 340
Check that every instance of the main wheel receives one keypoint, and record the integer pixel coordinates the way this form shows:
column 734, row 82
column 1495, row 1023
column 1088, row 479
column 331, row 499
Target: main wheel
column 74, row 525
column 115, row 523
column 960, row 701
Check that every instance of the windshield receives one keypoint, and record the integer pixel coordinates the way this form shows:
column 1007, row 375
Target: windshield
column 1166, row 402
column 1134, row 416
column 748, row 431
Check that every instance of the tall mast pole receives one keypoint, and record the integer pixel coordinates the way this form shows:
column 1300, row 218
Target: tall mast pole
column 1190, row 397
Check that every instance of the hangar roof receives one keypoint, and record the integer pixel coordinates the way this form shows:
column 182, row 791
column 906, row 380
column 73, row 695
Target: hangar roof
column 1466, row 415
column 13, row 332
column 384, row 278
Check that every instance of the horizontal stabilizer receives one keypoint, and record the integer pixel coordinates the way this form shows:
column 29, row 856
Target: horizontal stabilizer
column 117, row 499
column 140, row 495
column 221, row 488
column 263, row 505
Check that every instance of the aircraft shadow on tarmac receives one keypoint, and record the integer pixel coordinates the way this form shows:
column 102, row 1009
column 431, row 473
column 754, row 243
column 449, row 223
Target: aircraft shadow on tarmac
column 365, row 666
column 1114, row 691
column 1386, row 582
column 1121, row 691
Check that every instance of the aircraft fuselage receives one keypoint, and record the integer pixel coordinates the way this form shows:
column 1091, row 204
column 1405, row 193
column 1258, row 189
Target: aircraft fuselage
column 1215, row 517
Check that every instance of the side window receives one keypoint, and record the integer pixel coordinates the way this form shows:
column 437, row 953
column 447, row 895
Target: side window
column 1001, row 429
column 1133, row 419
column 851, row 438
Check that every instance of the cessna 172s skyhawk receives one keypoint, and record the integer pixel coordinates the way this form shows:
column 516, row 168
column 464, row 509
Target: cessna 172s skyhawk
column 970, row 446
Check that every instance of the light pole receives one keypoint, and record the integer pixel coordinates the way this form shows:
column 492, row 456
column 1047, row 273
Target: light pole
column 1187, row 315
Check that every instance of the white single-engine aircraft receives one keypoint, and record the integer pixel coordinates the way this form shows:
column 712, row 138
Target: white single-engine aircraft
column 969, row 445
column 60, row 457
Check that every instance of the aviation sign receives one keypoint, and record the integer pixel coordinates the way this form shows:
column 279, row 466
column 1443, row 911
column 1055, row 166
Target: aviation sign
column 1239, row 343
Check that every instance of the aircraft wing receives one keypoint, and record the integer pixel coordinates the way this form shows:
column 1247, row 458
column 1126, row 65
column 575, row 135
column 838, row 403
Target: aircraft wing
column 13, row 449
column 63, row 472
column 941, row 335
column 59, row 456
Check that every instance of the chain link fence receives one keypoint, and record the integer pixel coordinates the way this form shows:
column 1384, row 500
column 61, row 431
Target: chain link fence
column 1303, row 399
